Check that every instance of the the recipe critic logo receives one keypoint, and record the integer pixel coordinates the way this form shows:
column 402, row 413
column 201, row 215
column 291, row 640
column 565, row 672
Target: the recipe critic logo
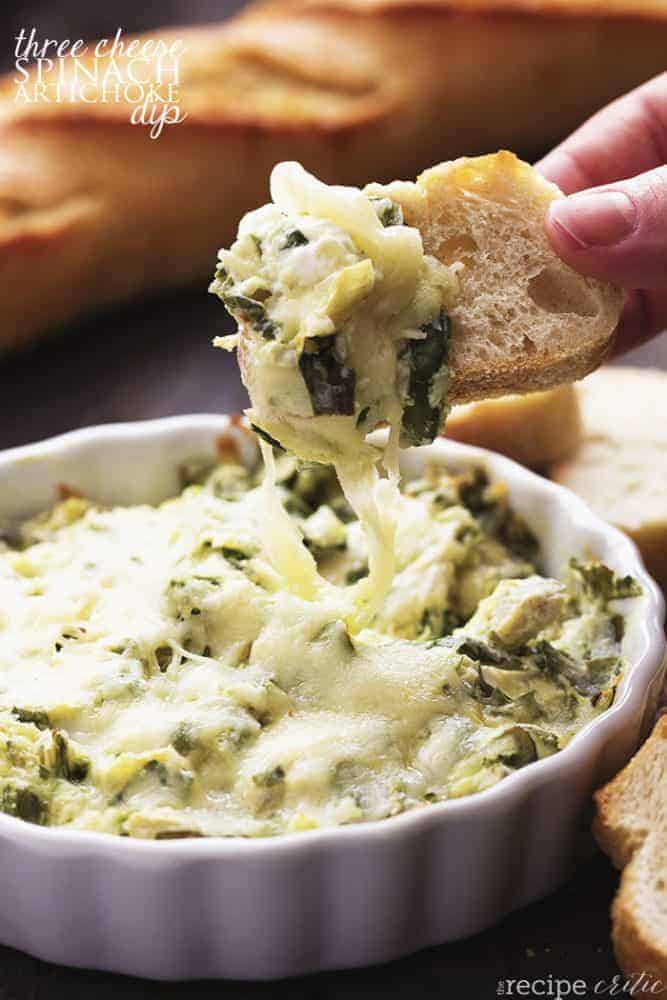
column 141, row 72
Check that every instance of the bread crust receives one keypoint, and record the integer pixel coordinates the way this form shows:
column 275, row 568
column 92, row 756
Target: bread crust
column 630, row 828
column 93, row 212
column 535, row 430
column 617, row 468
column 523, row 320
column 584, row 9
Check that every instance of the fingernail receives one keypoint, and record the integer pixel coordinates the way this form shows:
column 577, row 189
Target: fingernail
column 594, row 218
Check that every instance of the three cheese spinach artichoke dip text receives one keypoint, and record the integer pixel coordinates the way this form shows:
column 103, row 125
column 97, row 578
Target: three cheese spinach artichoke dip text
column 158, row 680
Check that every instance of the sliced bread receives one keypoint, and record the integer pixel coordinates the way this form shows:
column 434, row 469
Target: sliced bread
column 536, row 429
column 631, row 826
column 619, row 469
column 524, row 320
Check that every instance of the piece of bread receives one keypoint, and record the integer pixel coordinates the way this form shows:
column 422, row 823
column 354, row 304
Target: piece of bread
column 631, row 826
column 536, row 429
column 523, row 320
column 93, row 212
column 518, row 318
column 619, row 468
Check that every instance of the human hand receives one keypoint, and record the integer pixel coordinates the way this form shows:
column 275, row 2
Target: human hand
column 614, row 224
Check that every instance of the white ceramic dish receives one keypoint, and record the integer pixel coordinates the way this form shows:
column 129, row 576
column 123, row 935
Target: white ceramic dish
column 324, row 899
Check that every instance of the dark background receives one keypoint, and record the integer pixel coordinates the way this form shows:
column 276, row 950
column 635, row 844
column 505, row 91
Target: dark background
column 155, row 359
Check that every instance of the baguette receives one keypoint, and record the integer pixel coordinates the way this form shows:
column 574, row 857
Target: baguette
column 631, row 826
column 619, row 467
column 93, row 212
column 536, row 429
column 523, row 320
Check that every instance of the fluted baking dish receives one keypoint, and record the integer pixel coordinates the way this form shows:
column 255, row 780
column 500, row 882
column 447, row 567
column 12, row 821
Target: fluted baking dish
column 324, row 899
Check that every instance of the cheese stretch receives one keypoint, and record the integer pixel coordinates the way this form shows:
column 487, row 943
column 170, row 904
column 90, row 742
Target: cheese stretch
column 343, row 327
column 158, row 679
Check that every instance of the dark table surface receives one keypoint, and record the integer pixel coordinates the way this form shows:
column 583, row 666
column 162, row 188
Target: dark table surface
column 155, row 359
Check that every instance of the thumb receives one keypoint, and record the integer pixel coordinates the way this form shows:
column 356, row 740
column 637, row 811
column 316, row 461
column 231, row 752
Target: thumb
column 617, row 232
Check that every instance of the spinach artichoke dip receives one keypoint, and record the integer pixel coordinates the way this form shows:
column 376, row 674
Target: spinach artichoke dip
column 159, row 680
column 312, row 643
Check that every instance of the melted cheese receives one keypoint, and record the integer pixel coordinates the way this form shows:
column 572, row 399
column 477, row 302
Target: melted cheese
column 329, row 299
column 159, row 678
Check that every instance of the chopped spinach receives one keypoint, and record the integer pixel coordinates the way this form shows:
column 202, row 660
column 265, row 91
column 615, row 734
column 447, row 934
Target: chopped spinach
column 265, row 436
column 269, row 778
column 388, row 212
column 183, row 740
column 473, row 491
column 514, row 748
column 342, row 510
column 37, row 716
column 24, row 804
column 294, row 239
column 69, row 764
column 236, row 557
column 361, row 419
column 487, row 694
column 617, row 623
column 247, row 310
column 163, row 657
column 484, row 654
column 356, row 574
column 329, row 381
column 518, row 537
column 602, row 584
column 555, row 663
column 159, row 769
column 426, row 359
column 488, row 502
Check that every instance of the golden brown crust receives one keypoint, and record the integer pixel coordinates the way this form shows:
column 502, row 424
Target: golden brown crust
column 629, row 826
column 534, row 429
column 522, row 320
column 529, row 375
column 584, row 9
column 618, row 467
column 355, row 90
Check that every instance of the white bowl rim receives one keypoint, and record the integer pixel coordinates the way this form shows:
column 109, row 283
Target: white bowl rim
column 497, row 798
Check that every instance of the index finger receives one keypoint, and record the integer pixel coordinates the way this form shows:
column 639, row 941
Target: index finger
column 626, row 138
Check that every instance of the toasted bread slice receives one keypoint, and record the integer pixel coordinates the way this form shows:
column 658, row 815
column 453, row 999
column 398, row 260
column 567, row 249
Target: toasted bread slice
column 619, row 468
column 524, row 320
column 536, row 429
column 631, row 826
